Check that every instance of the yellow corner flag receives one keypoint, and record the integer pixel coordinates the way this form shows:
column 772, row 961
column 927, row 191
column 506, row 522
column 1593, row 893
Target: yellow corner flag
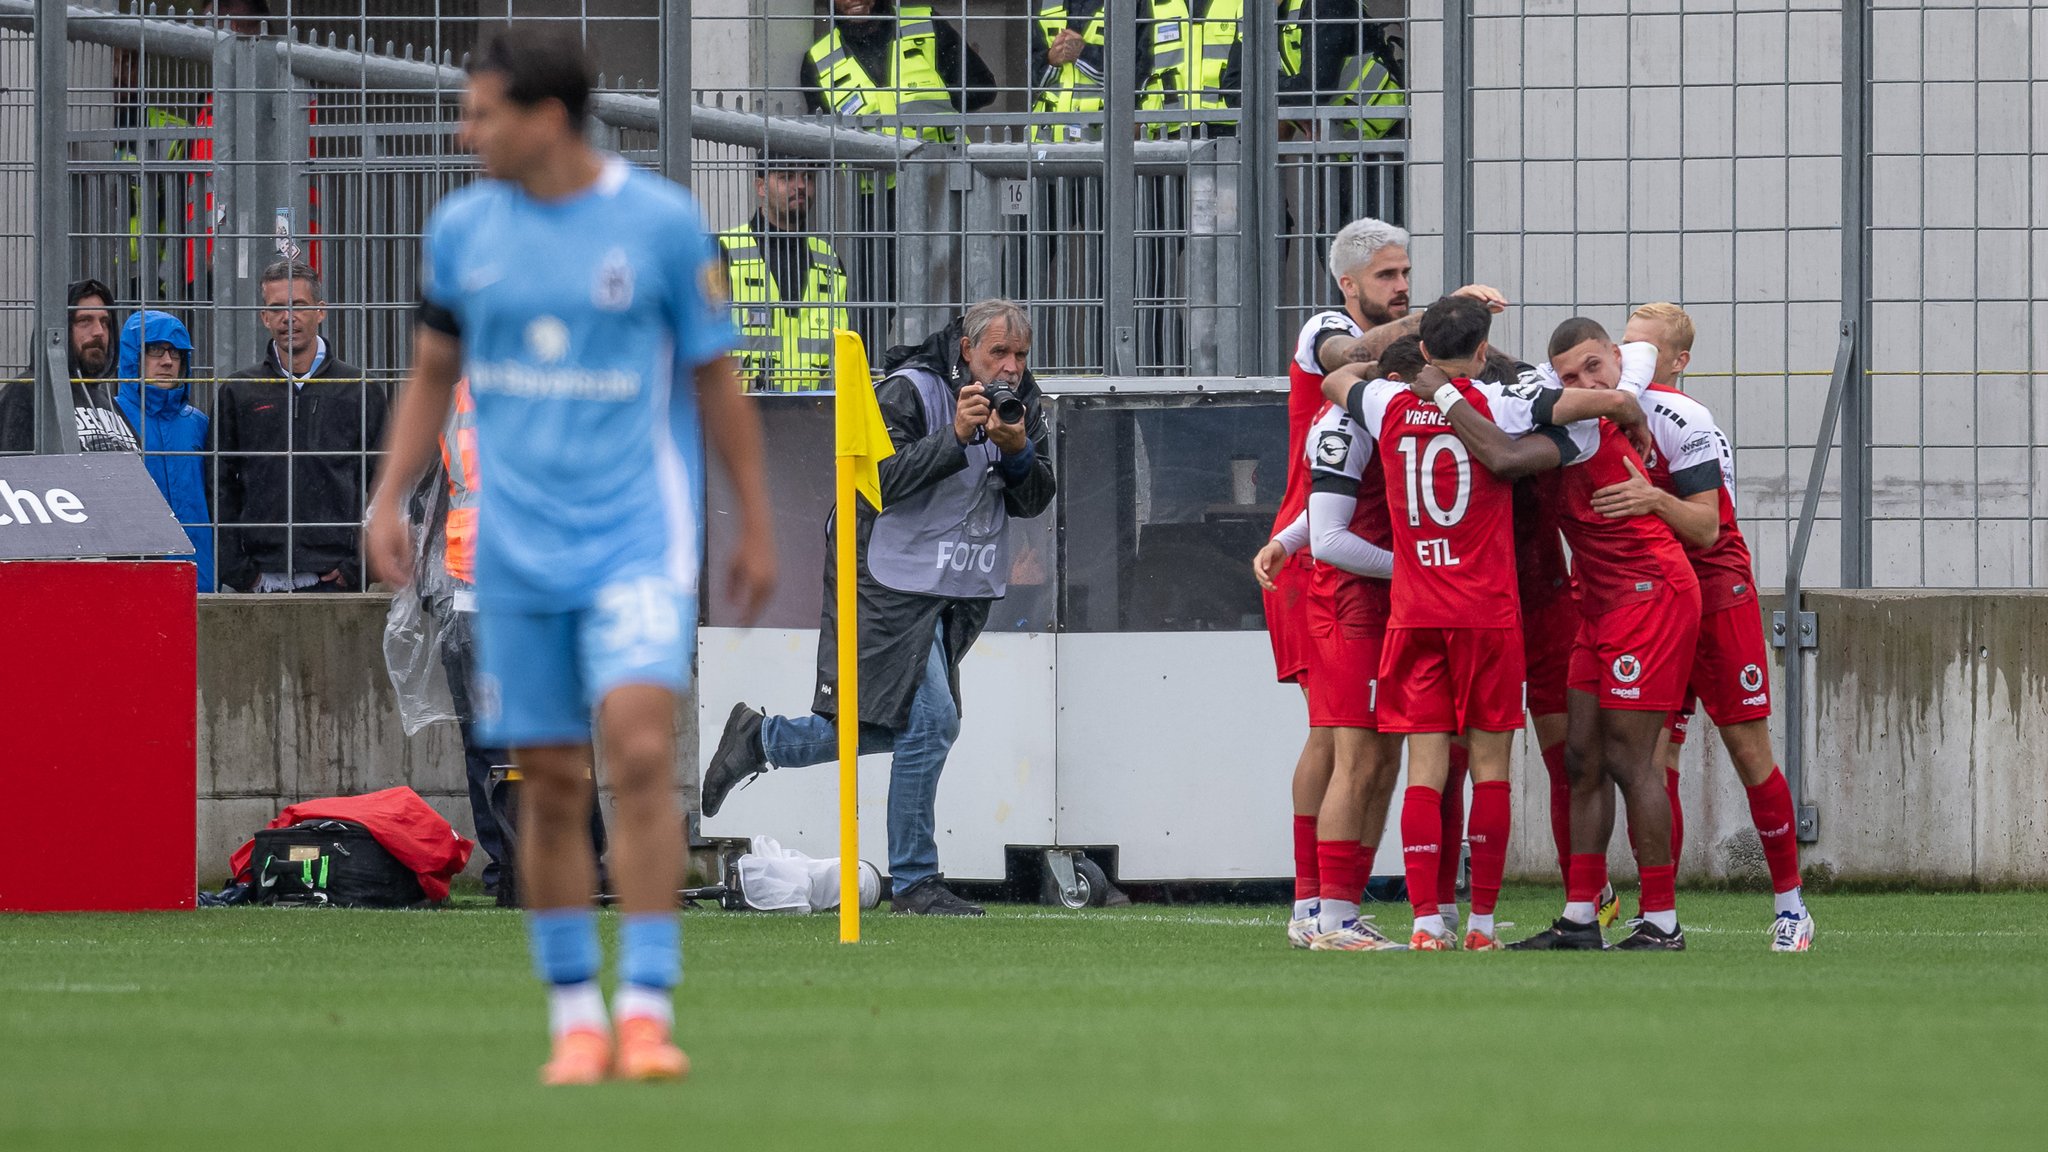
column 859, row 432
column 861, row 443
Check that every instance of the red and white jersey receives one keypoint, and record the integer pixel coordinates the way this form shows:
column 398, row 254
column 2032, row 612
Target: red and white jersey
column 1452, row 520
column 1340, row 460
column 1615, row 561
column 1693, row 456
column 1305, row 399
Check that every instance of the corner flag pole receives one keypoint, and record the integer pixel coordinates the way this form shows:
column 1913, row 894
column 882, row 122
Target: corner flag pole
column 861, row 442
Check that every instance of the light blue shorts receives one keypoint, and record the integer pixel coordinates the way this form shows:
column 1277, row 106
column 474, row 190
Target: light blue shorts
column 540, row 675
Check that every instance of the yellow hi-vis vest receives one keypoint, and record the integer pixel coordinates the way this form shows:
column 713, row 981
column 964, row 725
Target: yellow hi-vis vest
column 1188, row 58
column 784, row 346
column 1365, row 81
column 1070, row 89
column 913, row 87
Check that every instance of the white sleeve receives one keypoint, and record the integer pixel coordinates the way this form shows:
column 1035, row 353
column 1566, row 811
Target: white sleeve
column 1295, row 535
column 1333, row 542
column 1367, row 405
column 1695, row 451
column 1312, row 335
column 1638, row 365
column 1519, row 408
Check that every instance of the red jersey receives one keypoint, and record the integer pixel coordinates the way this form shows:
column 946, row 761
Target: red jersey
column 1616, row 562
column 1693, row 457
column 1452, row 520
column 1340, row 461
column 1540, row 567
column 1305, row 399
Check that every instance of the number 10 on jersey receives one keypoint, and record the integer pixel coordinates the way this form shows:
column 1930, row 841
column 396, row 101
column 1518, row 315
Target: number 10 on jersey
column 1419, row 468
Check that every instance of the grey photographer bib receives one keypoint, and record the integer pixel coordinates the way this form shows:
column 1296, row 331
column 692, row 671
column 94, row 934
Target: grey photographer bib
column 951, row 539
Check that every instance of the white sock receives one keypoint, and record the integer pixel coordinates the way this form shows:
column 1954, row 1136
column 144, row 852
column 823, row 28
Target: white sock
column 1790, row 901
column 633, row 1000
column 1303, row 909
column 576, row 1006
column 1666, row 921
column 1449, row 912
column 1581, row 912
column 1335, row 914
column 1482, row 923
column 1434, row 925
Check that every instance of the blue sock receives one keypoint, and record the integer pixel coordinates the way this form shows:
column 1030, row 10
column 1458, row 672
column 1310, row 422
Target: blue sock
column 651, row 950
column 564, row 944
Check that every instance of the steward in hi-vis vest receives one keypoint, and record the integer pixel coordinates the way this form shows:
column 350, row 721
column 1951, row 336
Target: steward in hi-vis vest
column 1195, row 67
column 1067, row 67
column 788, row 288
column 1332, row 54
column 877, row 61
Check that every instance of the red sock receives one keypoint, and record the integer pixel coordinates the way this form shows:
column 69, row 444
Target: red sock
column 1422, row 829
column 1367, row 853
column 1306, row 883
column 1490, row 821
column 1560, row 809
column 1677, row 814
column 1454, row 827
column 1770, row 807
column 1342, row 871
column 1660, row 888
column 1588, row 877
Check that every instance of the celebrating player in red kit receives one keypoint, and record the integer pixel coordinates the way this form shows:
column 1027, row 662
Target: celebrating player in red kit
column 1369, row 261
column 1691, row 487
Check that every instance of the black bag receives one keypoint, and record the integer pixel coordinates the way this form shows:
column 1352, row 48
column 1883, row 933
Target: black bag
column 330, row 862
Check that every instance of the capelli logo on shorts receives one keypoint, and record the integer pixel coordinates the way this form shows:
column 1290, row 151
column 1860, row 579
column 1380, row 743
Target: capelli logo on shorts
column 1628, row 693
column 1627, row 668
column 1753, row 701
column 1751, row 677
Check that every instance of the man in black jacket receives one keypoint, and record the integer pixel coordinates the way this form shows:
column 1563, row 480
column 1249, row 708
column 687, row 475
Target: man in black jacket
column 101, row 427
column 931, row 564
column 295, row 435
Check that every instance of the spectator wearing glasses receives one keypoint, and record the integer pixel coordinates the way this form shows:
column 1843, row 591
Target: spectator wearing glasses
column 295, row 435
column 156, row 381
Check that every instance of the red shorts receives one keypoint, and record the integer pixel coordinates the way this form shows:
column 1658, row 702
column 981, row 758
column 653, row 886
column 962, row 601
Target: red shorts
column 1451, row 680
column 1346, row 625
column 1731, row 671
column 1287, row 618
column 1549, row 631
column 1638, row 656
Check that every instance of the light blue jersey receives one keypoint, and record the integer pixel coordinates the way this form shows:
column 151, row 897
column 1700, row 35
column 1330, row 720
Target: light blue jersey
column 581, row 321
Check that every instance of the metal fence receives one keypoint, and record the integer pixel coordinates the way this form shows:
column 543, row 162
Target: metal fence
column 1583, row 155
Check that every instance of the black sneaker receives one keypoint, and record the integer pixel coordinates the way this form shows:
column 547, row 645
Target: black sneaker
column 739, row 757
column 1563, row 936
column 931, row 897
column 1647, row 937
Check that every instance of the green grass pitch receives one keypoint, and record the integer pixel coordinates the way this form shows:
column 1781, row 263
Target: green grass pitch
column 1920, row 1021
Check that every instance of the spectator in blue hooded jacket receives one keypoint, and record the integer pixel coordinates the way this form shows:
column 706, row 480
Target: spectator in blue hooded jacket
column 155, row 371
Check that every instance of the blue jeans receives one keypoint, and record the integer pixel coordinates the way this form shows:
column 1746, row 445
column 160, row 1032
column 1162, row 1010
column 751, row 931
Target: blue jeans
column 920, row 748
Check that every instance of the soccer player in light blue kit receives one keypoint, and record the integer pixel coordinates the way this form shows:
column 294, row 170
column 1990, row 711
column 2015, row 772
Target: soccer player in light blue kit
column 585, row 302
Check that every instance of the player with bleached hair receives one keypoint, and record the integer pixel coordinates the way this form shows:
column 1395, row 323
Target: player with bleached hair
column 1369, row 262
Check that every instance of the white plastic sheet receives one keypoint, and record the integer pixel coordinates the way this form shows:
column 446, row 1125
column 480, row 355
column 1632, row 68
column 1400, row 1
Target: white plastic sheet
column 778, row 879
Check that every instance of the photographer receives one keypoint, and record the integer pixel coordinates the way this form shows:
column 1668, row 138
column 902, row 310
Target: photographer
column 963, row 414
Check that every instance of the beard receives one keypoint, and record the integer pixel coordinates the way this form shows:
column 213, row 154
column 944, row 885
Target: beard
column 1378, row 314
column 89, row 363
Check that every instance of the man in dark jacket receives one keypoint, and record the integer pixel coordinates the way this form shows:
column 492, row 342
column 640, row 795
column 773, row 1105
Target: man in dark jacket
column 931, row 564
column 301, row 510
column 101, row 427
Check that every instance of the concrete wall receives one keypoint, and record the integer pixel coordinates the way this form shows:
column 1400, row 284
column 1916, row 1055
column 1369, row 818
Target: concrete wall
column 294, row 704
column 1925, row 710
